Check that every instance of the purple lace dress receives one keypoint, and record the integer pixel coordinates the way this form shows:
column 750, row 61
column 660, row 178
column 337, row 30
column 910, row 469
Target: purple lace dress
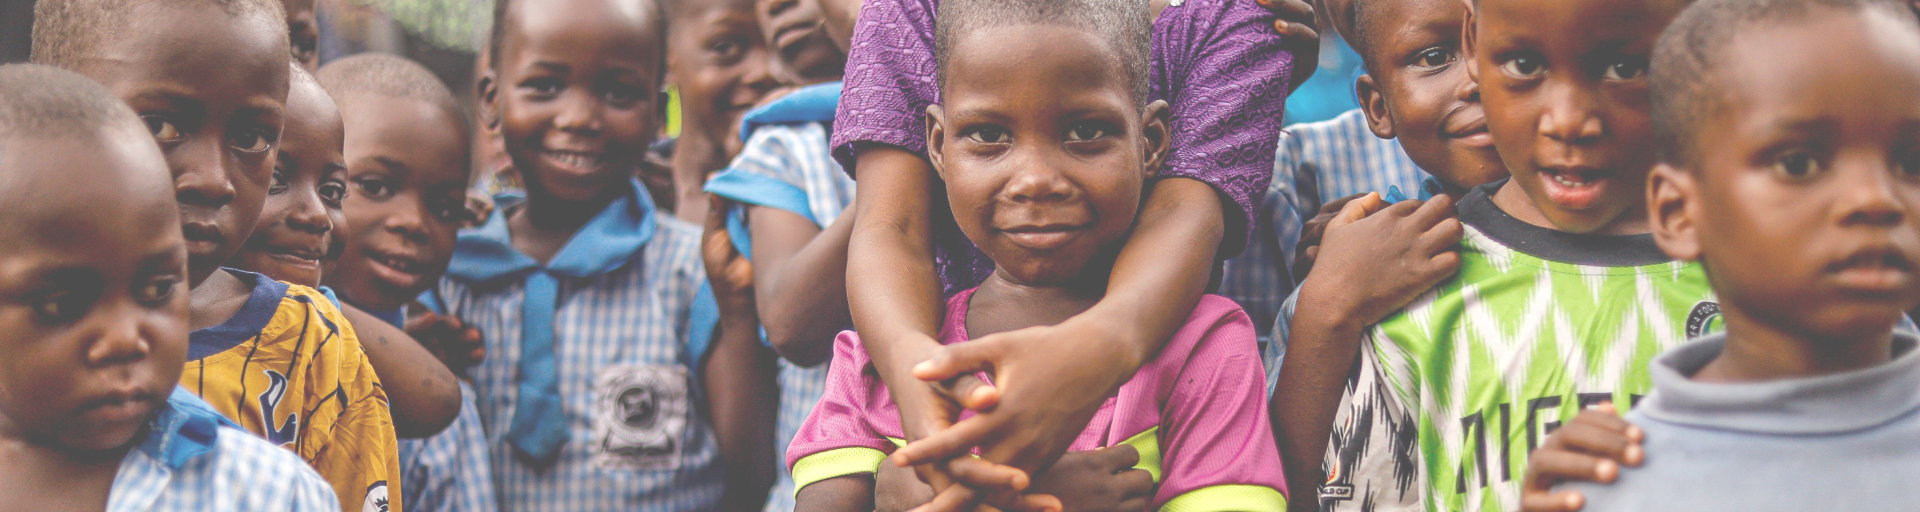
column 1218, row 63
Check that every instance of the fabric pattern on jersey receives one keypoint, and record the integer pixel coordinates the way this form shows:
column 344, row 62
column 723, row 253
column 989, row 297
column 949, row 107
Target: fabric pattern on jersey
column 785, row 165
column 194, row 459
column 288, row 368
column 624, row 365
column 1453, row 392
column 1196, row 413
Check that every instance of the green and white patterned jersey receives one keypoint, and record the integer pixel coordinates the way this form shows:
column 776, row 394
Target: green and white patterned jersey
column 1452, row 393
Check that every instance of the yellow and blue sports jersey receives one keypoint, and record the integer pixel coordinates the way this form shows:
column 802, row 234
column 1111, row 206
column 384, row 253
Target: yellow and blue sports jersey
column 288, row 368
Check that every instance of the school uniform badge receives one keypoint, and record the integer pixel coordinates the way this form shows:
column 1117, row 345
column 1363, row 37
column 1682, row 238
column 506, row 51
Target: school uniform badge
column 640, row 414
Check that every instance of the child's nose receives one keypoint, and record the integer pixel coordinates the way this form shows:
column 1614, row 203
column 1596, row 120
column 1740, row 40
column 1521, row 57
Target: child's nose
column 117, row 338
column 310, row 215
column 579, row 111
column 1872, row 192
column 1571, row 116
column 1038, row 184
column 202, row 173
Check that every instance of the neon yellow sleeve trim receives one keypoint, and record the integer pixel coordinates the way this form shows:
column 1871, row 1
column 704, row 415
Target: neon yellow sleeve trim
column 1251, row 498
column 835, row 463
column 1148, row 444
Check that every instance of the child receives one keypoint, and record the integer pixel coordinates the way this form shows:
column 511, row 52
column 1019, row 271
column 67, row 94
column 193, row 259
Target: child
column 296, row 238
column 1417, row 93
column 1223, row 70
column 1047, row 175
column 1560, row 291
column 96, row 322
column 719, row 63
column 792, row 219
column 586, row 293
column 210, row 80
column 404, row 146
column 1810, row 368
column 303, row 33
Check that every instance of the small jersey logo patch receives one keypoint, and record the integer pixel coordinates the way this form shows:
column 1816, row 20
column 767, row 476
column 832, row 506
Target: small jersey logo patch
column 640, row 413
column 1704, row 317
column 376, row 500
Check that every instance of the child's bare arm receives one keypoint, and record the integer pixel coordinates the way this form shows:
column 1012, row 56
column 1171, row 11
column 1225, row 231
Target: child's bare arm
column 1098, row 480
column 800, row 281
column 1371, row 265
column 1590, row 448
column 423, row 392
column 1157, row 279
column 739, row 374
column 840, row 494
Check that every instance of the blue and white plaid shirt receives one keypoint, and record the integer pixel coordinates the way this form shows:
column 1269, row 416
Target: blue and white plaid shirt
column 193, row 461
column 786, row 165
column 1315, row 163
column 625, row 350
column 449, row 471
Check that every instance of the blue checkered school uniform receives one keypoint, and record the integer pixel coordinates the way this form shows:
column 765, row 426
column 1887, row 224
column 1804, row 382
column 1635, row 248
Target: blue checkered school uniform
column 195, row 460
column 606, row 335
column 786, row 164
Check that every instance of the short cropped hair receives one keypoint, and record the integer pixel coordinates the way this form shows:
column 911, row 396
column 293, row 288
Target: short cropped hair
column 657, row 16
column 66, row 31
column 1681, row 75
column 45, row 101
column 390, row 76
column 1125, row 25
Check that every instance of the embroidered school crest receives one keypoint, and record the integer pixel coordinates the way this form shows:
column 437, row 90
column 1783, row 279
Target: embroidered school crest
column 640, row 412
column 376, row 500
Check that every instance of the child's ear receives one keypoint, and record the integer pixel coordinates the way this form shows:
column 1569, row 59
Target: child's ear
column 1373, row 103
column 1156, row 130
column 937, row 140
column 1672, row 204
column 488, row 87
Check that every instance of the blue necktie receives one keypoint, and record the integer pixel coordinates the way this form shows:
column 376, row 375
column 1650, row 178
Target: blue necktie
column 539, row 426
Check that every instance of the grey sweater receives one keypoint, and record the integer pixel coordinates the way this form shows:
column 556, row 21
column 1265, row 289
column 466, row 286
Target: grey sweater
column 1841, row 442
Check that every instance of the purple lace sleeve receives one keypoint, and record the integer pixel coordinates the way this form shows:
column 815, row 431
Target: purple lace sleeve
column 1220, row 66
column 889, row 81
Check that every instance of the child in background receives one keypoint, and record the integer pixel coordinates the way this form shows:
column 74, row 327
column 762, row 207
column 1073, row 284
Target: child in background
column 1047, row 176
column 791, row 219
column 1561, row 293
column 718, row 61
column 404, row 142
column 1416, row 94
column 1811, row 240
column 210, row 79
column 96, row 320
column 303, row 33
column 586, row 293
column 296, row 238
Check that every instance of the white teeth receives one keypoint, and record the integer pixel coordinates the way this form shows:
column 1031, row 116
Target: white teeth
column 573, row 159
column 1563, row 180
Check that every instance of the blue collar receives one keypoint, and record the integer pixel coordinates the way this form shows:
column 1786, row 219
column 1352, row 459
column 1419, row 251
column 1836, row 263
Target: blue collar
column 811, row 104
column 1429, row 187
column 183, row 429
column 604, row 244
column 246, row 324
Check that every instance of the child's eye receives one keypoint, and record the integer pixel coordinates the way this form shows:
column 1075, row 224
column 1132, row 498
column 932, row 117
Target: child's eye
column 373, row 188
column 60, row 308
column 1796, row 166
column 1523, row 67
column 1626, row 69
column 1085, row 132
column 333, row 192
column 987, row 135
column 727, row 49
column 1908, row 166
column 543, row 86
column 279, row 184
column 624, row 95
column 164, row 131
column 156, row 291
column 252, row 141
column 1433, row 58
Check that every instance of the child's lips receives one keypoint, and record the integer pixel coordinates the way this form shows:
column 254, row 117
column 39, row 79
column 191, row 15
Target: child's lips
column 1575, row 187
column 1471, row 131
column 303, row 256
column 119, row 408
column 398, row 270
column 791, row 34
column 579, row 163
column 1878, row 270
column 200, row 235
column 1042, row 238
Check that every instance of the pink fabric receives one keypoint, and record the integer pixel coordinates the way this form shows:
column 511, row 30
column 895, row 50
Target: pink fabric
column 1206, row 392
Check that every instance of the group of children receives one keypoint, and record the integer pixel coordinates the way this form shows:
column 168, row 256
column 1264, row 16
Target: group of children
column 1698, row 211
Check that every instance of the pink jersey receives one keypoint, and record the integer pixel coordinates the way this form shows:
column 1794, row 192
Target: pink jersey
column 1197, row 413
